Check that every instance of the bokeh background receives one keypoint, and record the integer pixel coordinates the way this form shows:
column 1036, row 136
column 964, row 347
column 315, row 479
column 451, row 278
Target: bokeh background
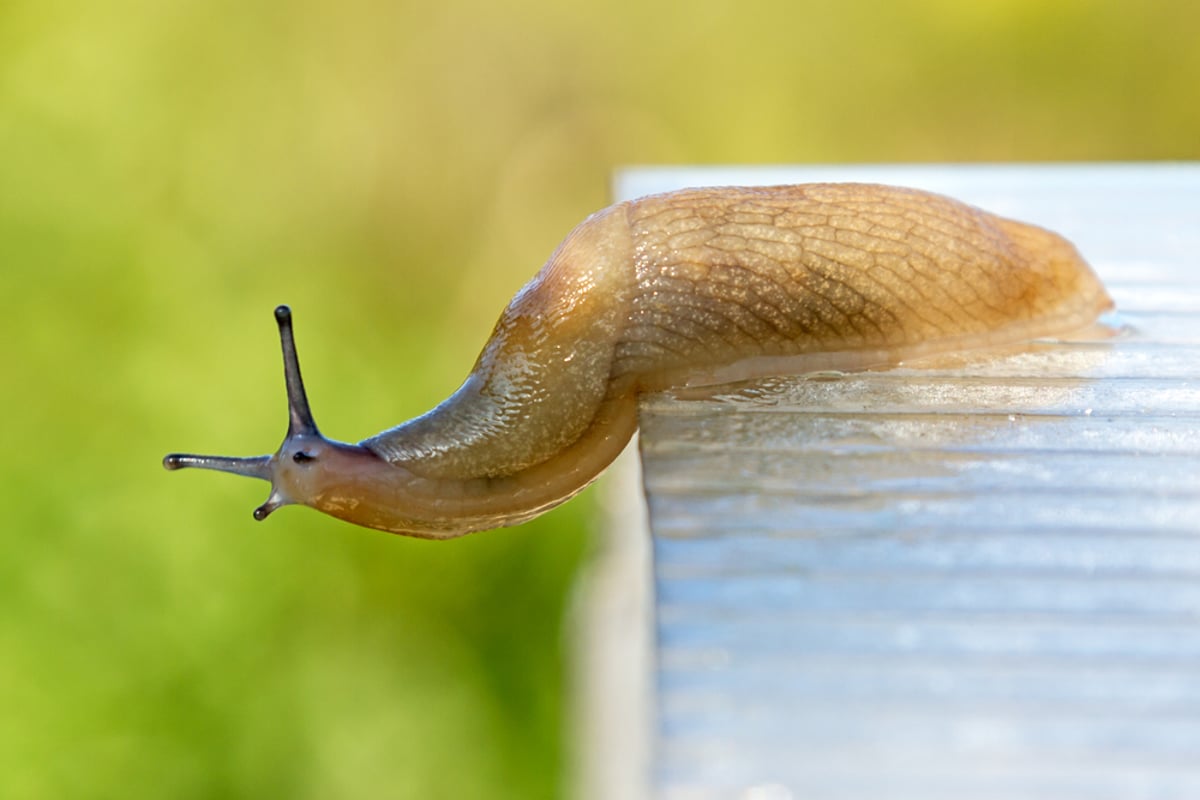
column 170, row 171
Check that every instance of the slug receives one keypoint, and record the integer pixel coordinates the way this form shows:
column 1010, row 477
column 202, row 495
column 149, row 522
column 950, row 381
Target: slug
column 690, row 288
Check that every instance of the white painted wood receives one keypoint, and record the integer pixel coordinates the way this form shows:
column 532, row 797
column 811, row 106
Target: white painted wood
column 976, row 578
column 613, row 647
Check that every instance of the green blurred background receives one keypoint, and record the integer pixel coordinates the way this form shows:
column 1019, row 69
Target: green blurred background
column 169, row 171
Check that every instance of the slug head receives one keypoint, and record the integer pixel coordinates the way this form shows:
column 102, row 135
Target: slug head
column 307, row 463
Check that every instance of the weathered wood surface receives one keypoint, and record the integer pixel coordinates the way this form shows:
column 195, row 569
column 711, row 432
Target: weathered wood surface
column 968, row 578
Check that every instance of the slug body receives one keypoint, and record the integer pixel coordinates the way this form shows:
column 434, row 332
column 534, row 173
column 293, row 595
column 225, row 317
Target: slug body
column 691, row 288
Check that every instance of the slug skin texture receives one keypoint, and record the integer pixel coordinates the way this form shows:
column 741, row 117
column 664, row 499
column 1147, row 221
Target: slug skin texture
column 691, row 288
column 744, row 276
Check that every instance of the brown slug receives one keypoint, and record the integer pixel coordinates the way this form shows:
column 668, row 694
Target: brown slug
column 690, row 288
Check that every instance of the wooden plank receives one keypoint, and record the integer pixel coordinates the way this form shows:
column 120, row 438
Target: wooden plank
column 974, row 578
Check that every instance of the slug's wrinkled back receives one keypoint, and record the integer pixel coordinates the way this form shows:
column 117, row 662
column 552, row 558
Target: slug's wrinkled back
column 730, row 280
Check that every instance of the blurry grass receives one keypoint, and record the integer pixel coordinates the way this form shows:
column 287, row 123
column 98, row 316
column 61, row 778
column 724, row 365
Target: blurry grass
column 170, row 172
